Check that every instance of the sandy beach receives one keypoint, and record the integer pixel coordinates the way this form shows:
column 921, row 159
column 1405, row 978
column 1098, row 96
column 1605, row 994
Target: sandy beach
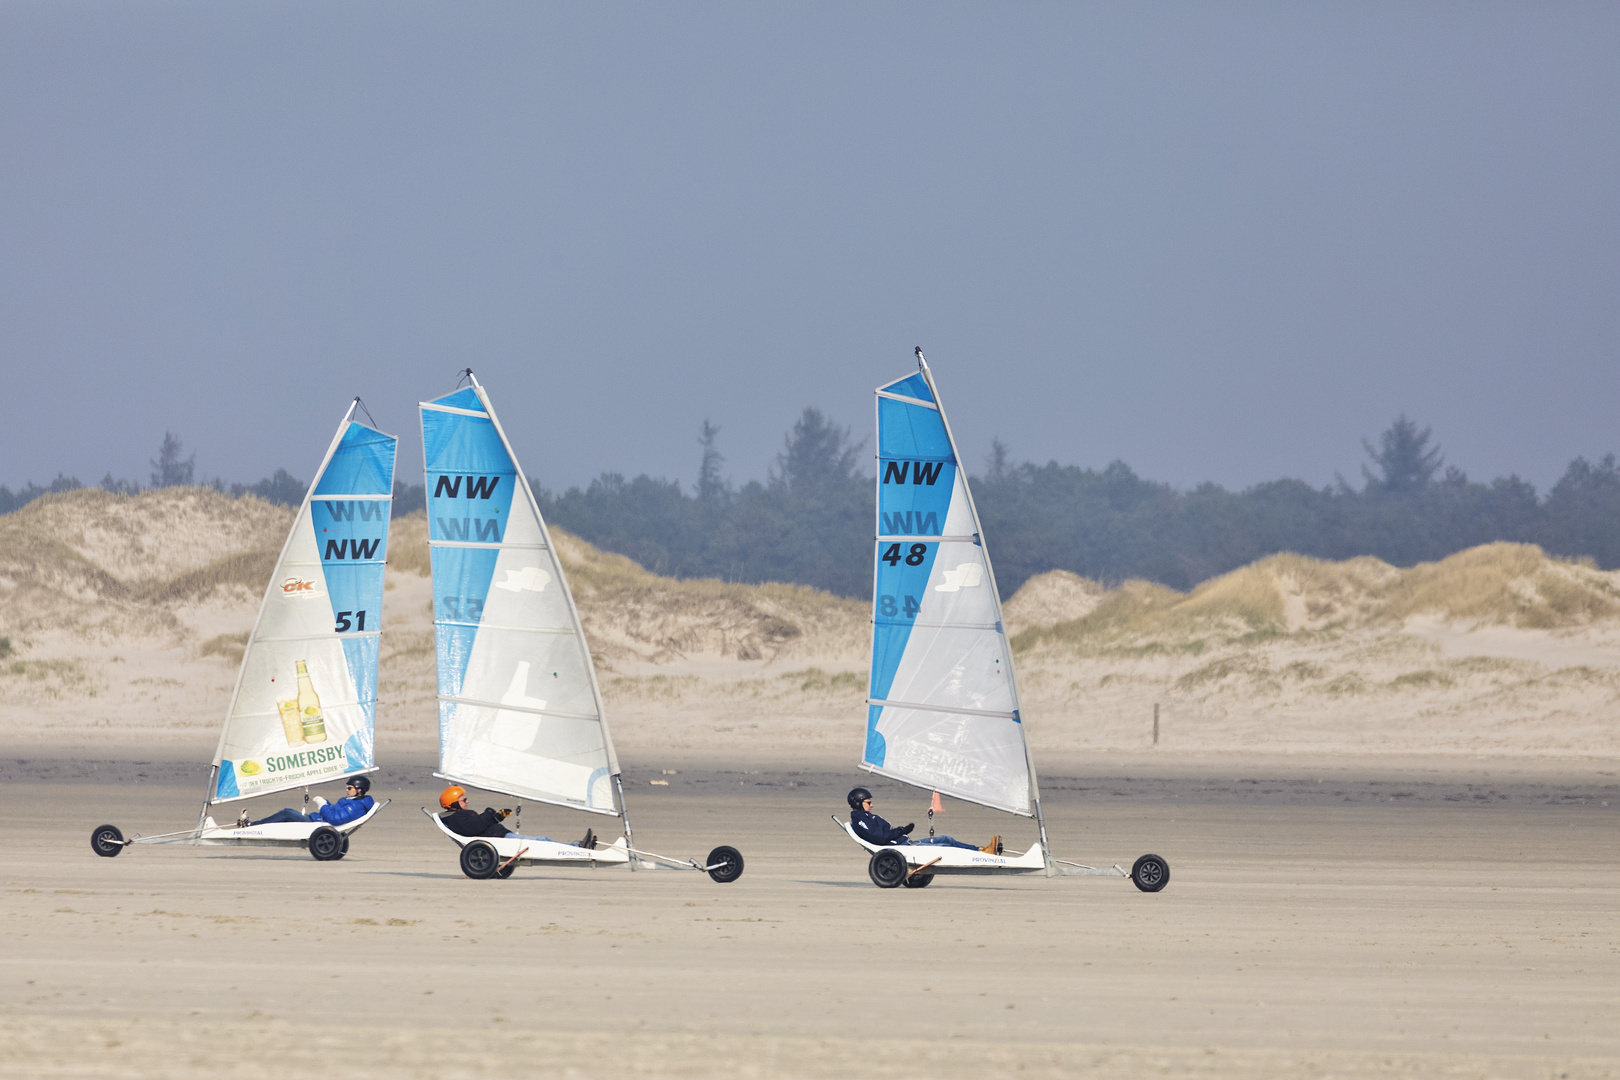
column 1389, row 800
column 1324, row 919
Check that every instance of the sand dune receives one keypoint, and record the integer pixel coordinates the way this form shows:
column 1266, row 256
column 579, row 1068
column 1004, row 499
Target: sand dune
column 123, row 619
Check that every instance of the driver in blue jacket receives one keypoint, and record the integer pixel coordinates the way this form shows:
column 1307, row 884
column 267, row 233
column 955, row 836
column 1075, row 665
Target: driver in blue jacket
column 355, row 803
column 874, row 830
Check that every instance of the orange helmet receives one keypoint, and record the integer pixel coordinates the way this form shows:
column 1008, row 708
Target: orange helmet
column 452, row 795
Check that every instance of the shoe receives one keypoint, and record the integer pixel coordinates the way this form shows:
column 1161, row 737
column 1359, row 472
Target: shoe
column 242, row 820
column 993, row 847
column 589, row 841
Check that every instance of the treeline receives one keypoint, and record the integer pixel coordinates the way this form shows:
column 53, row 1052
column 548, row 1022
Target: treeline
column 1112, row 525
column 169, row 469
column 810, row 522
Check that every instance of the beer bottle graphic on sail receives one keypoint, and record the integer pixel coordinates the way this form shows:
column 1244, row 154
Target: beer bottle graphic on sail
column 309, row 707
column 292, row 724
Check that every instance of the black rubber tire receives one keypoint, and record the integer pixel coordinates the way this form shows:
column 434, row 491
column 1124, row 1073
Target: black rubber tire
column 344, row 850
column 326, row 844
column 479, row 860
column 919, row 881
column 106, row 841
column 506, row 872
column 1150, row 873
column 732, row 864
column 887, row 868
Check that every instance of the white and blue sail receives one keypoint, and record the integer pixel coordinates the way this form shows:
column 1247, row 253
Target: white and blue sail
column 942, row 710
column 520, row 711
column 304, row 709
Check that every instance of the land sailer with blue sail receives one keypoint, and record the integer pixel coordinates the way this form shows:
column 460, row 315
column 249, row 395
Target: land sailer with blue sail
column 943, row 711
column 304, row 708
column 520, row 709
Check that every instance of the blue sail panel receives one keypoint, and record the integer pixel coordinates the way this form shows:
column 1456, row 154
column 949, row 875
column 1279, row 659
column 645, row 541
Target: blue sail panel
column 471, row 479
column 911, row 432
column 461, row 583
column 462, row 399
column 912, row 386
column 363, row 464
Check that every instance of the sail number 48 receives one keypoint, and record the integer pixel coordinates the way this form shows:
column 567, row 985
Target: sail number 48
column 888, row 608
column 914, row 557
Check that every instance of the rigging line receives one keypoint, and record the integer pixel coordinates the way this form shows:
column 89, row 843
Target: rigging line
column 466, row 376
column 367, row 411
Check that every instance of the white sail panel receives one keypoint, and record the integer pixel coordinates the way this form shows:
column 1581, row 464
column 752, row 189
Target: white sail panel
column 519, row 707
column 943, row 706
column 304, row 709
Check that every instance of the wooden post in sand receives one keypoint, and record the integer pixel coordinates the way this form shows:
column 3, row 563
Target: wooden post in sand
column 1155, row 723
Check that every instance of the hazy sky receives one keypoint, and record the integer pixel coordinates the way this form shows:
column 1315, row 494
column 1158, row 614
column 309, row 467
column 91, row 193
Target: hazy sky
column 1219, row 241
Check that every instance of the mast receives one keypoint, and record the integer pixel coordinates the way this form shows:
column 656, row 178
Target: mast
column 995, row 592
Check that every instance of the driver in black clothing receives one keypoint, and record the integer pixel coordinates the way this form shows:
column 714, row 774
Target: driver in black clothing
column 874, row 830
column 463, row 820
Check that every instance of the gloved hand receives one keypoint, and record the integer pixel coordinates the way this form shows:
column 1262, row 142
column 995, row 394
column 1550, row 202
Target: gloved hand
column 505, row 813
column 909, row 826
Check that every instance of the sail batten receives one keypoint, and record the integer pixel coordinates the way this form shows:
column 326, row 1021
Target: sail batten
column 303, row 710
column 942, row 710
column 520, row 710
column 926, row 707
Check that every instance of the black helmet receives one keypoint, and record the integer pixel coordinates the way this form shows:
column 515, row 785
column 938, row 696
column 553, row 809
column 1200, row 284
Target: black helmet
column 361, row 784
column 858, row 796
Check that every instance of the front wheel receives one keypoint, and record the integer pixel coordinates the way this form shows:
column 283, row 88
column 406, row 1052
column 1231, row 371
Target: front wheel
column 326, row 844
column 479, row 860
column 1150, row 873
column 106, row 841
column 887, row 868
column 730, row 866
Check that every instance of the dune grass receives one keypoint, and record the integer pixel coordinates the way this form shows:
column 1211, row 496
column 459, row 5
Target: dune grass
column 408, row 544
column 1285, row 596
column 229, row 647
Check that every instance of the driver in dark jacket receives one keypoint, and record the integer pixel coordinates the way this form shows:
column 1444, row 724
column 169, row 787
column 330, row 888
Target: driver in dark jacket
column 874, row 830
column 463, row 820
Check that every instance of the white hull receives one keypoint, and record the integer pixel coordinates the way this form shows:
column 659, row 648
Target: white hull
column 281, row 834
column 543, row 852
column 958, row 860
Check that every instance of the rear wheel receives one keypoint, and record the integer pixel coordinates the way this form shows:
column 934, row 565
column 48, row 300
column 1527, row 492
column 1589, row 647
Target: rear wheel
column 344, row 850
column 479, row 860
column 887, row 868
column 106, row 841
column 325, row 844
column 1150, row 873
column 730, row 866
column 505, row 872
column 919, row 881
